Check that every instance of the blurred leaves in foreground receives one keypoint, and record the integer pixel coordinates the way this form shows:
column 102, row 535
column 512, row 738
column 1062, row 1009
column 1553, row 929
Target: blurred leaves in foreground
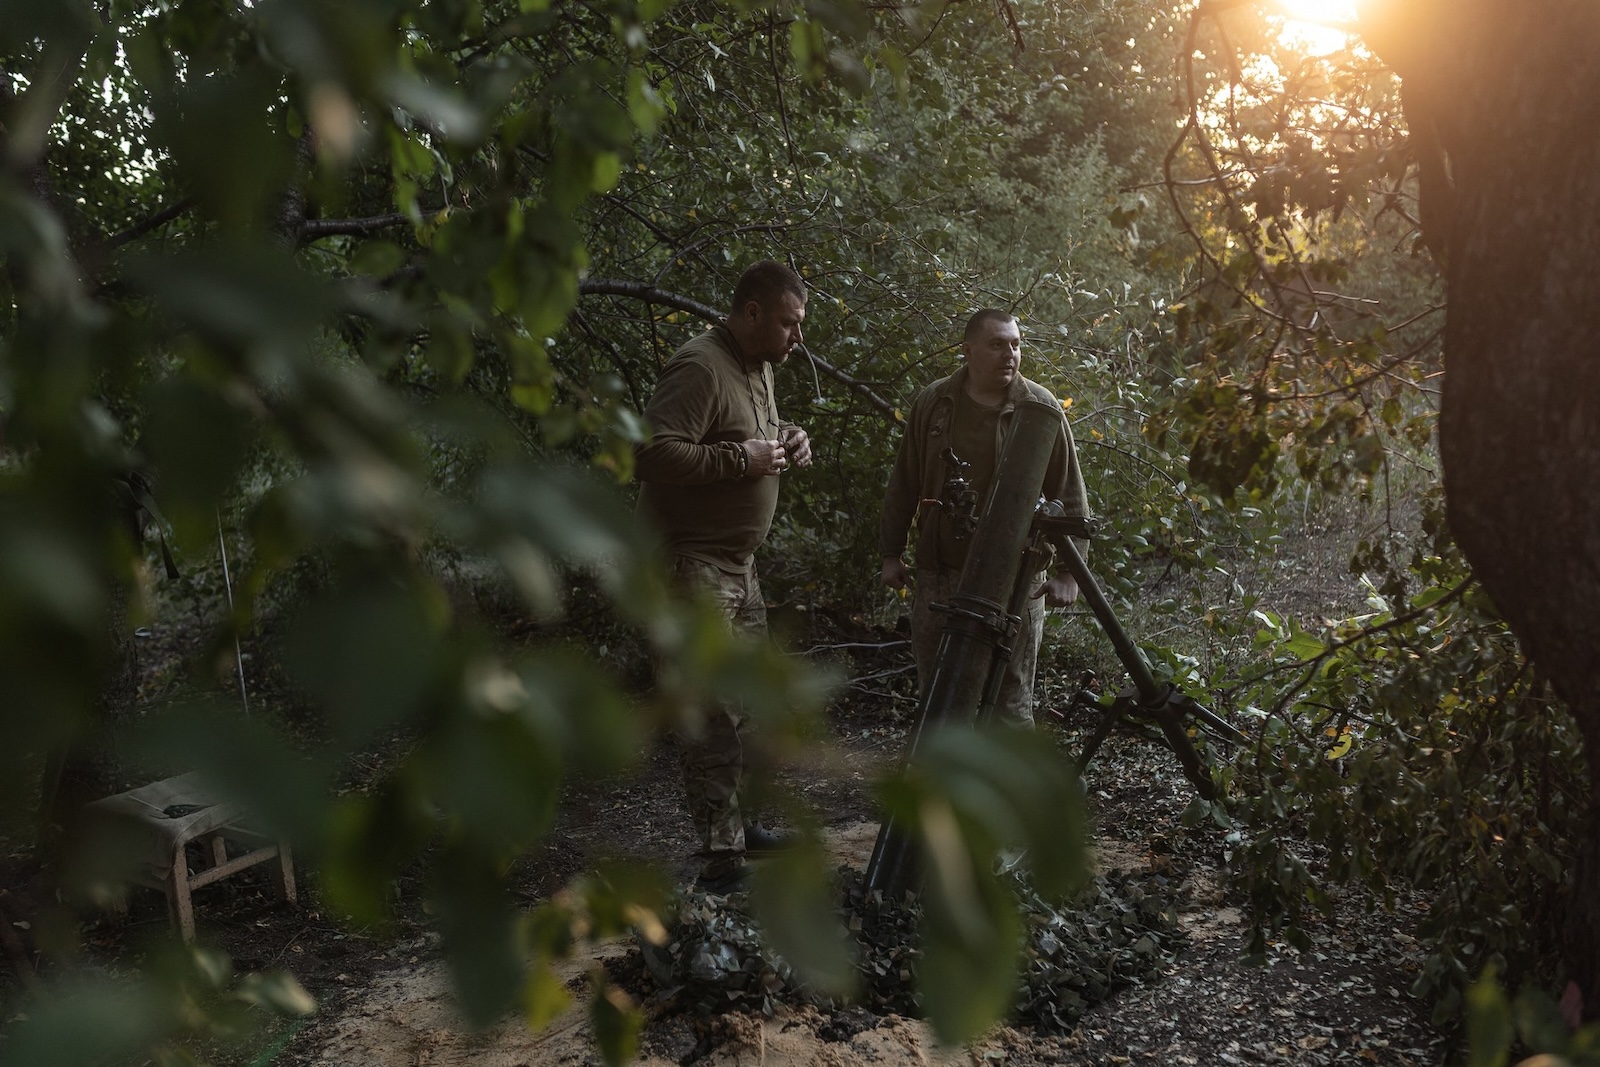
column 985, row 940
column 1532, row 1021
column 174, row 300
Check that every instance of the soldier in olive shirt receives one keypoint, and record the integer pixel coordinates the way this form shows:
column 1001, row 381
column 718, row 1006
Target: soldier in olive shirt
column 971, row 412
column 710, row 486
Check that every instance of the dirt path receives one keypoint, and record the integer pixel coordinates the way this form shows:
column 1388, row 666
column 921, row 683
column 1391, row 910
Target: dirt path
column 1341, row 1003
column 405, row 1018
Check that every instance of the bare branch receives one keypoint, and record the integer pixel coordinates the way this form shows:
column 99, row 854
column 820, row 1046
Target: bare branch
column 651, row 295
column 694, row 247
column 783, row 107
column 1010, row 14
column 154, row 222
column 312, row 229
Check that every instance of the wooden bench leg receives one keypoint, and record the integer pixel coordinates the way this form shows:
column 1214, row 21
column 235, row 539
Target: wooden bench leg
column 283, row 873
column 182, row 907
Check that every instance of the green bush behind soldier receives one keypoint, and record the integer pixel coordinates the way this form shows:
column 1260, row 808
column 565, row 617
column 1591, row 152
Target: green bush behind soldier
column 971, row 412
column 710, row 486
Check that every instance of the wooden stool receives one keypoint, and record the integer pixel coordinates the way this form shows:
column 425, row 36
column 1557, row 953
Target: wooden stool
column 166, row 817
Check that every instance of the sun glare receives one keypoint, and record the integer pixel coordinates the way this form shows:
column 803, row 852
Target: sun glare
column 1315, row 26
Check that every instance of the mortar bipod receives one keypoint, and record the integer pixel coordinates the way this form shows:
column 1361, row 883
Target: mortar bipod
column 1149, row 699
column 978, row 623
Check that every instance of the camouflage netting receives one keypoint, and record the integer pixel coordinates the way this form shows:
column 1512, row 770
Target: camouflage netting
column 1117, row 931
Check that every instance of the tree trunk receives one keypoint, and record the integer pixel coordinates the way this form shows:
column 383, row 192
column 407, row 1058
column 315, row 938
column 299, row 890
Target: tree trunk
column 1514, row 92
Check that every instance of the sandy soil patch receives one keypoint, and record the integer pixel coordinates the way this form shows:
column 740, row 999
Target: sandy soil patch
column 407, row 1017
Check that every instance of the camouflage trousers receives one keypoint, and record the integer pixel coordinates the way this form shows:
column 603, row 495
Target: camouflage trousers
column 1014, row 705
column 714, row 763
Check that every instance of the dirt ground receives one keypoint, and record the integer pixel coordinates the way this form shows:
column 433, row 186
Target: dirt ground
column 383, row 1000
column 1342, row 1003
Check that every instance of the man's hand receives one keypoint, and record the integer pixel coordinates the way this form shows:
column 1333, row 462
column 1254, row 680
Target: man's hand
column 766, row 457
column 1058, row 592
column 895, row 574
column 798, row 446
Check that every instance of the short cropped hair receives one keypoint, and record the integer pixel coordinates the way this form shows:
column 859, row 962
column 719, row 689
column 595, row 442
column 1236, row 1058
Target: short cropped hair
column 764, row 282
column 975, row 324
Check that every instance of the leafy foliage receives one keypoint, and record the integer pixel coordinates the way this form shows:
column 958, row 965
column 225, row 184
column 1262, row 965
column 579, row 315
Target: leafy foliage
column 1531, row 1020
column 373, row 284
column 1411, row 750
column 338, row 272
column 1307, row 339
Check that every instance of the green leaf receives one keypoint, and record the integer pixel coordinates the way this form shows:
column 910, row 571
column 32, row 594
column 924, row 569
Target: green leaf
column 368, row 653
column 377, row 259
column 91, row 1022
column 1303, row 646
column 226, row 145
column 408, row 155
column 806, row 47
column 450, row 350
column 149, row 60
column 548, row 931
column 624, row 898
column 968, row 972
column 444, row 110
column 1015, row 786
column 495, row 779
column 33, row 234
column 645, row 105
column 23, row 23
column 607, row 172
column 577, row 707
column 476, row 918
column 844, row 18
column 1539, row 1022
column 1489, row 1030
column 794, row 898
column 571, row 516
column 616, row 1021
column 550, row 289
column 245, row 295
column 197, row 442
column 1430, row 596
column 367, row 839
column 278, row 992
column 244, row 759
column 533, row 397
column 967, row 795
column 544, row 997
column 42, row 575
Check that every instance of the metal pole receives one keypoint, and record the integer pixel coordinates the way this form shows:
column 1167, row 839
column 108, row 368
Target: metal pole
column 1150, row 691
column 227, row 583
column 1161, row 703
column 979, row 620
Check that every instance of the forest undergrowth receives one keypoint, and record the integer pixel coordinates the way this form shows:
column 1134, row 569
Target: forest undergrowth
column 1076, row 999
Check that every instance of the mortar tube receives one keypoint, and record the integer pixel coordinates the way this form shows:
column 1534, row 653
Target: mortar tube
column 1034, row 558
column 977, row 625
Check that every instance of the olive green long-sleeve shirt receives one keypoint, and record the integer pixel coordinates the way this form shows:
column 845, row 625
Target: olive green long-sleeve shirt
column 706, row 402
column 919, row 473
